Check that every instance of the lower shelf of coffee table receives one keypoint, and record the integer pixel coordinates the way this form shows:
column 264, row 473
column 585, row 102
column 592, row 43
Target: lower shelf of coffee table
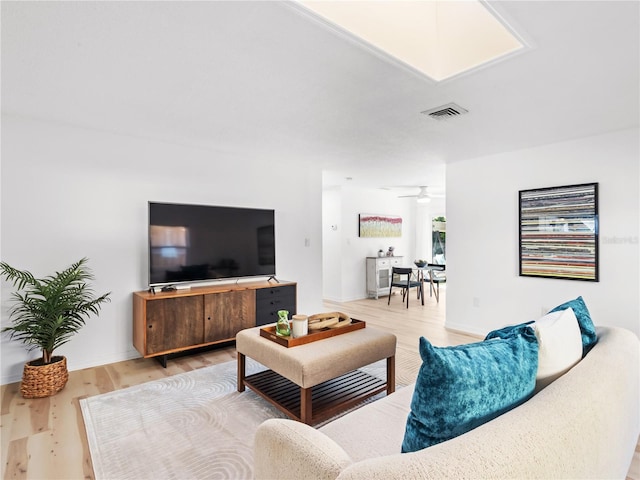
column 327, row 399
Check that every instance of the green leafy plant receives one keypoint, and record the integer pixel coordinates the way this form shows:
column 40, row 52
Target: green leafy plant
column 47, row 312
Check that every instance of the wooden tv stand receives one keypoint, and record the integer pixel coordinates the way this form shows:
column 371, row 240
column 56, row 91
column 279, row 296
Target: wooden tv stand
column 181, row 320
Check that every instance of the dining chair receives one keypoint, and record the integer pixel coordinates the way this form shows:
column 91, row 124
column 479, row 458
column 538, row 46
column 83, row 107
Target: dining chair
column 402, row 277
column 435, row 275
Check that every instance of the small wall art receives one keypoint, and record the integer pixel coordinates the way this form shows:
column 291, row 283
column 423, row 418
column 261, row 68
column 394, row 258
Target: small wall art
column 372, row 225
column 559, row 232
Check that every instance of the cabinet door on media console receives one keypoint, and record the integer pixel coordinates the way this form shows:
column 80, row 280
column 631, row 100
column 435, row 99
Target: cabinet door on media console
column 174, row 323
column 225, row 314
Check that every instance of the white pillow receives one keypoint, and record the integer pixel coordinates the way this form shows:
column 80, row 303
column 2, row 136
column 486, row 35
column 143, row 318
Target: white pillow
column 560, row 343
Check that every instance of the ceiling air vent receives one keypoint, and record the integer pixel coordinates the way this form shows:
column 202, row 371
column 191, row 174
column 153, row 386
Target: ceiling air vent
column 445, row 111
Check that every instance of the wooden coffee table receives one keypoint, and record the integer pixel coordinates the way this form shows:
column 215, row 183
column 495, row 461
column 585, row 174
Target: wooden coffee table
column 313, row 382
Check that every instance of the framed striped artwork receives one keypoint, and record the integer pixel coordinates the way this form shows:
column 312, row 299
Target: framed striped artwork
column 559, row 232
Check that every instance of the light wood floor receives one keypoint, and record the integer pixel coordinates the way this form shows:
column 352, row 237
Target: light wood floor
column 45, row 438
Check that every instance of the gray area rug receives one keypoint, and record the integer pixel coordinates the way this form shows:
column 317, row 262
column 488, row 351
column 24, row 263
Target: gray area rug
column 194, row 425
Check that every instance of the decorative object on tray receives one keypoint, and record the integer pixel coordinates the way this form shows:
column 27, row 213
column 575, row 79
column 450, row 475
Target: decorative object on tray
column 314, row 335
column 328, row 320
column 46, row 313
column 420, row 263
column 299, row 325
column 283, row 327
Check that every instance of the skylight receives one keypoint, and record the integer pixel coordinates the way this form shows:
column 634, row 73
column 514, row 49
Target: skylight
column 440, row 38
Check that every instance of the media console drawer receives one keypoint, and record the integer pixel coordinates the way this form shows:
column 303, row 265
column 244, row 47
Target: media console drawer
column 270, row 300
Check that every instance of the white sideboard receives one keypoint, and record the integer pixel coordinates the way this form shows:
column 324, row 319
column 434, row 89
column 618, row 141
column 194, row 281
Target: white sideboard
column 379, row 274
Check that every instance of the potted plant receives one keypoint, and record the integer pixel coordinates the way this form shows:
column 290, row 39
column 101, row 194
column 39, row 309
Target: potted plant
column 45, row 314
column 439, row 224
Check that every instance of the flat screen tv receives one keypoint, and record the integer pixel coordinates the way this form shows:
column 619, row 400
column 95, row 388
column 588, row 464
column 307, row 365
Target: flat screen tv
column 196, row 243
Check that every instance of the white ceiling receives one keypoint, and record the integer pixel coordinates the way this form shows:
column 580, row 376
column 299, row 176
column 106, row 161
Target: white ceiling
column 264, row 79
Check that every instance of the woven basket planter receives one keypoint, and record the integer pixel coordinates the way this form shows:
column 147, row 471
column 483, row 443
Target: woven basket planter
column 44, row 380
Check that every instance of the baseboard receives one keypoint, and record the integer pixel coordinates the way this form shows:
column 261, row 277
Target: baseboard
column 342, row 300
column 465, row 331
column 73, row 365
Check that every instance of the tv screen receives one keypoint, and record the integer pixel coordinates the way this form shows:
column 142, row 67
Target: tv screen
column 189, row 243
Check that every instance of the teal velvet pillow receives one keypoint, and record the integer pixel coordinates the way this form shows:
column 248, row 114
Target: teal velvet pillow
column 508, row 331
column 587, row 328
column 460, row 388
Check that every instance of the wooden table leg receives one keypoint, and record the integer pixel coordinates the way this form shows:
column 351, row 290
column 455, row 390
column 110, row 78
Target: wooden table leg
column 305, row 405
column 241, row 371
column 435, row 292
column 391, row 374
column 420, row 289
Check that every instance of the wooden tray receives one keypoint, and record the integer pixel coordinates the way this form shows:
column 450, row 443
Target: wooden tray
column 270, row 334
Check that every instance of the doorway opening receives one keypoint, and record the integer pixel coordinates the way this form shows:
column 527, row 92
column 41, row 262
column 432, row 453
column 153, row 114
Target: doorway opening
column 439, row 240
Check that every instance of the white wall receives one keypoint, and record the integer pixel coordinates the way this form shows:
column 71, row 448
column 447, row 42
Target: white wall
column 344, row 252
column 69, row 192
column 332, row 231
column 484, row 290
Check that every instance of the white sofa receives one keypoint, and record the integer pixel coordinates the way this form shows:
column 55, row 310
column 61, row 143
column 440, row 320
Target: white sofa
column 583, row 425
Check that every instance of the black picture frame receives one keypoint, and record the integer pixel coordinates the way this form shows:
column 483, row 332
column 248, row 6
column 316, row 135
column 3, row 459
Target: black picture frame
column 559, row 232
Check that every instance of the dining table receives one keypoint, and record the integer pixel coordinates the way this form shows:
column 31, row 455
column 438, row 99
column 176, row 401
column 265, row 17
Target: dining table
column 420, row 270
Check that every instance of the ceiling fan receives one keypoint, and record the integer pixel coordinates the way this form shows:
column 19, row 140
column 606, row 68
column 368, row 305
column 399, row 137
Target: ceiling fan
column 423, row 196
